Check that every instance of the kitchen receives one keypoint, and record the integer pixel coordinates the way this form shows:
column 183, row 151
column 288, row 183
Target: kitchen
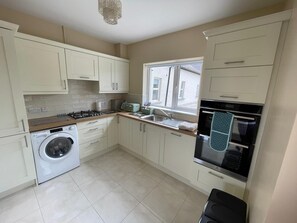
column 83, row 94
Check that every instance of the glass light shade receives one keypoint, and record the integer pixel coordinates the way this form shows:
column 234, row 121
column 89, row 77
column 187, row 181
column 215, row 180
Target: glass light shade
column 111, row 10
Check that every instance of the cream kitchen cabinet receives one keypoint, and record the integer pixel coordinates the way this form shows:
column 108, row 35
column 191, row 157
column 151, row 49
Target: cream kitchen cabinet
column 151, row 142
column 81, row 66
column 248, row 84
column 16, row 161
column 136, row 136
column 206, row 179
column 112, row 131
column 177, row 153
column 42, row 67
column 244, row 47
column 124, row 132
column 92, row 137
column 113, row 76
column 13, row 119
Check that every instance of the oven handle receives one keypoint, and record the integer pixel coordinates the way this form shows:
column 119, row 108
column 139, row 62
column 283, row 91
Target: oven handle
column 235, row 116
column 232, row 143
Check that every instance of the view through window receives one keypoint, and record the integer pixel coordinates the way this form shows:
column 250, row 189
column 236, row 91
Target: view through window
column 175, row 86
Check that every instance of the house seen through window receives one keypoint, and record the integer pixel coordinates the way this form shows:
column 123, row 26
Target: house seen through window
column 174, row 86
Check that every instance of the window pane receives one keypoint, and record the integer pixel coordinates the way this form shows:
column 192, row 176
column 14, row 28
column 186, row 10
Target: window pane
column 161, row 86
column 189, row 82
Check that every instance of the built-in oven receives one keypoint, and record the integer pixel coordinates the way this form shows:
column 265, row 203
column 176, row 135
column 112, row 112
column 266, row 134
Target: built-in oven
column 236, row 160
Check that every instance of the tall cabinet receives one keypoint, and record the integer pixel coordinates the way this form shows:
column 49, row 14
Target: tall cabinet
column 16, row 160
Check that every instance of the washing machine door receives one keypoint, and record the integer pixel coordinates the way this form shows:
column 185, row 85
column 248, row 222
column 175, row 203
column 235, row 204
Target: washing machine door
column 57, row 147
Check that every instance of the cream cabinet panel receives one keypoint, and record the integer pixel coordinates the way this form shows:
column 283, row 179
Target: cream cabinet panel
column 92, row 147
column 209, row 179
column 122, row 76
column 248, row 47
column 151, row 142
column 248, row 84
column 136, row 136
column 125, row 132
column 42, row 67
column 13, row 119
column 112, row 131
column 178, row 153
column 106, row 75
column 81, row 66
column 16, row 161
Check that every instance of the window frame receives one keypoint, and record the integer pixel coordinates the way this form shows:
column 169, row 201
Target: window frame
column 175, row 97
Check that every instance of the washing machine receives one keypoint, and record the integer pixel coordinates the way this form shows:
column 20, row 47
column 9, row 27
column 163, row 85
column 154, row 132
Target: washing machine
column 56, row 151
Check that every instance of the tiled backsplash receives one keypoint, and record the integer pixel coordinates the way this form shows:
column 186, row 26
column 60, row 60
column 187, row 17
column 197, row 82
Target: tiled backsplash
column 82, row 95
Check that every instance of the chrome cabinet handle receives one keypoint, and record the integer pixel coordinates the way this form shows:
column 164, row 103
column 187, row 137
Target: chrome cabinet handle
column 23, row 125
column 234, row 62
column 221, row 177
column 117, row 86
column 65, row 85
column 91, row 130
column 92, row 143
column 92, row 122
column 112, row 86
column 229, row 96
column 26, row 141
column 179, row 135
column 84, row 77
column 143, row 127
column 140, row 127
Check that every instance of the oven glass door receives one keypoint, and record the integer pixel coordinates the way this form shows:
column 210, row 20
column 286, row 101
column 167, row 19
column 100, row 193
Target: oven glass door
column 234, row 161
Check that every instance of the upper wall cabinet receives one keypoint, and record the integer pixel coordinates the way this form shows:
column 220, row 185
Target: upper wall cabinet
column 42, row 67
column 245, row 47
column 81, row 66
column 113, row 76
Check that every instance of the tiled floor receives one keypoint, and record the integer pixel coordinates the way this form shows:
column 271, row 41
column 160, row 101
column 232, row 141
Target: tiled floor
column 116, row 187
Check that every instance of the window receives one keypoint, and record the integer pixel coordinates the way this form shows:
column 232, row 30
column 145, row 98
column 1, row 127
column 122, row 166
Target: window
column 174, row 86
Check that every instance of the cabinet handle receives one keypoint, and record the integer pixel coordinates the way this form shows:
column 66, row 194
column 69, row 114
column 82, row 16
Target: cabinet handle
column 26, row 141
column 234, row 62
column 65, row 85
column 91, row 130
column 92, row 122
column 179, row 135
column 23, row 125
column 221, row 177
column 117, row 86
column 84, row 77
column 140, row 127
column 92, row 143
column 229, row 96
column 144, row 127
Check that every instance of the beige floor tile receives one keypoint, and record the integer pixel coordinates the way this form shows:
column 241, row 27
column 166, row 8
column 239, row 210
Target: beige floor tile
column 139, row 185
column 85, row 173
column 141, row 215
column 64, row 210
column 59, row 188
column 176, row 186
column 98, row 188
column 153, row 172
column 188, row 213
column 164, row 202
column 17, row 206
column 34, row 217
column 87, row 216
column 115, row 206
column 196, row 197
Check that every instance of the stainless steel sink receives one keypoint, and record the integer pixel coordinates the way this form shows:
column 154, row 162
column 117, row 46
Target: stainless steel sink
column 163, row 120
column 154, row 118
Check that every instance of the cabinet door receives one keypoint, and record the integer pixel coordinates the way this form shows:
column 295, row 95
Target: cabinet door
column 136, row 137
column 81, row 66
column 16, row 161
column 249, row 84
column 151, row 142
column 42, row 67
column 92, row 147
column 112, row 131
column 122, row 76
column 124, row 132
column 178, row 153
column 13, row 119
column 106, row 75
column 249, row 47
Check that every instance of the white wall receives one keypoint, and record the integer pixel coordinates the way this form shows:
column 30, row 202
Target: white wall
column 277, row 131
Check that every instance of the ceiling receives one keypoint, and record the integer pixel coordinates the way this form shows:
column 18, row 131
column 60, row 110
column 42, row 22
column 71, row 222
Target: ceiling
column 141, row 19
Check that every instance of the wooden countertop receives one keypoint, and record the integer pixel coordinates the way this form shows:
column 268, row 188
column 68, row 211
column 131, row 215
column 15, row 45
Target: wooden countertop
column 40, row 124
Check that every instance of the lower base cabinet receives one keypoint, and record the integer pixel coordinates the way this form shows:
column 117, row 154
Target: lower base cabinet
column 16, row 161
column 151, row 143
column 112, row 131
